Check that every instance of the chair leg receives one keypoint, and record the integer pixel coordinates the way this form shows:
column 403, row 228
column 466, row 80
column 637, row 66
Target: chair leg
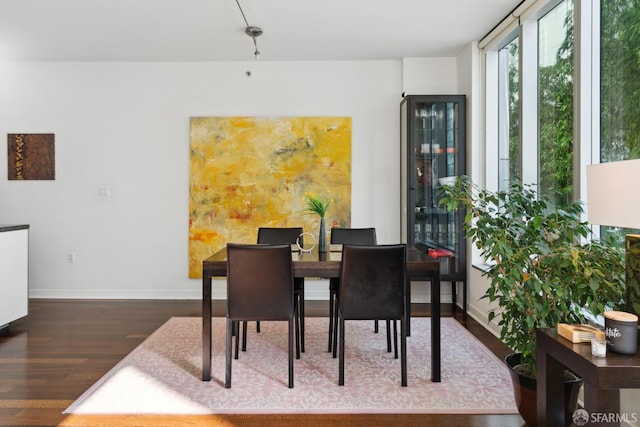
column 333, row 321
column 227, row 365
column 336, row 306
column 395, row 339
column 330, row 322
column 388, row 336
column 403, row 349
column 244, row 336
column 258, row 326
column 291, row 352
column 375, row 326
column 301, row 312
column 296, row 318
column 341, row 360
column 237, row 329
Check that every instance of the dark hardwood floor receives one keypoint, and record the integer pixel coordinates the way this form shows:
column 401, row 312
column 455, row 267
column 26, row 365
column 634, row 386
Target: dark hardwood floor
column 53, row 355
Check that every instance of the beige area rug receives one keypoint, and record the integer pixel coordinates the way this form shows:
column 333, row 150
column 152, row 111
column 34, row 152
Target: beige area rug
column 162, row 375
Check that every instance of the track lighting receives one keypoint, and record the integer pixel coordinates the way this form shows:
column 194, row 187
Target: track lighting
column 252, row 31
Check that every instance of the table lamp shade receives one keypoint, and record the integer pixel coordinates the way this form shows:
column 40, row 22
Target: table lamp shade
column 612, row 200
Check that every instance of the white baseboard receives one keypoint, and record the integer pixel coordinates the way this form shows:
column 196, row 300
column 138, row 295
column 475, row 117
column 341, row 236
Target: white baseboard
column 315, row 289
column 114, row 294
column 481, row 318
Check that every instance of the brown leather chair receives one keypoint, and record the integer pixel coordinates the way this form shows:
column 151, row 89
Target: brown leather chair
column 353, row 236
column 289, row 235
column 373, row 287
column 259, row 287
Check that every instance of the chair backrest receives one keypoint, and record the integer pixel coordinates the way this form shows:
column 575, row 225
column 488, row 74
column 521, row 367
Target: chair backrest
column 279, row 235
column 373, row 282
column 259, row 282
column 353, row 236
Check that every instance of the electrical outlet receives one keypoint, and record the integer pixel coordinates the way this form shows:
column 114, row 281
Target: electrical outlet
column 71, row 257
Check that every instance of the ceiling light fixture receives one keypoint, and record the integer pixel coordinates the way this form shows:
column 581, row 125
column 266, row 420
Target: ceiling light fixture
column 252, row 31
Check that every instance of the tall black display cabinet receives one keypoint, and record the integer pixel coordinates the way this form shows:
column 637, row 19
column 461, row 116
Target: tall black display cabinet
column 433, row 146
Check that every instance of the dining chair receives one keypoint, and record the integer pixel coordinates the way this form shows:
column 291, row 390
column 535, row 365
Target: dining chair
column 282, row 235
column 259, row 287
column 352, row 236
column 373, row 287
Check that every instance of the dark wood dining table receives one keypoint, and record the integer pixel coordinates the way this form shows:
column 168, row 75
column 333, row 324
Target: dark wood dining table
column 420, row 267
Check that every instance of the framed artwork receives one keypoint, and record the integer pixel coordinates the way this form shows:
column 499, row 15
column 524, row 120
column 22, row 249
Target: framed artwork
column 251, row 172
column 31, row 156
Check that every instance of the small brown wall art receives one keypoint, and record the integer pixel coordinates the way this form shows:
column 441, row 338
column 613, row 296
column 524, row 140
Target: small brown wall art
column 31, row 156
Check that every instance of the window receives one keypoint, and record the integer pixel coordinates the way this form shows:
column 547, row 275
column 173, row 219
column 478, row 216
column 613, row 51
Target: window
column 529, row 101
column 508, row 115
column 619, row 83
column 544, row 58
column 555, row 94
column 619, row 88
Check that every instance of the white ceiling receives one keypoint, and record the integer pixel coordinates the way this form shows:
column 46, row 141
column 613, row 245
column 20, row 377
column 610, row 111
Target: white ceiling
column 213, row 30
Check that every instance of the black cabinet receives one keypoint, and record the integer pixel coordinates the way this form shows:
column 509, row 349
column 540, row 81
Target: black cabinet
column 433, row 143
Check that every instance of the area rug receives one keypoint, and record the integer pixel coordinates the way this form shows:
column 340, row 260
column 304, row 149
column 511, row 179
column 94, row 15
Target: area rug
column 162, row 375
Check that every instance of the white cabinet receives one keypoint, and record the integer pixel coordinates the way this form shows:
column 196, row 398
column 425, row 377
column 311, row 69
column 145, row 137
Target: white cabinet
column 14, row 272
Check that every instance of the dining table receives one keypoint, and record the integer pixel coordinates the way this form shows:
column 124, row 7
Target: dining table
column 420, row 267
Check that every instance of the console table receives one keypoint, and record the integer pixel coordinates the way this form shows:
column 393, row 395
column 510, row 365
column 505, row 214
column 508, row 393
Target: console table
column 603, row 378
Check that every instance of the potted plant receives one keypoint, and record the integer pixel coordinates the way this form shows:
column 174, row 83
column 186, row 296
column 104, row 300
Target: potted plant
column 541, row 270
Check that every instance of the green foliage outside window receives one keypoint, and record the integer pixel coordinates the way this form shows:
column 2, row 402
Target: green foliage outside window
column 619, row 103
column 619, row 87
column 514, row 112
column 556, row 121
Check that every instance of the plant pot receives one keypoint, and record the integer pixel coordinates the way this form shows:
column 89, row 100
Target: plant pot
column 525, row 392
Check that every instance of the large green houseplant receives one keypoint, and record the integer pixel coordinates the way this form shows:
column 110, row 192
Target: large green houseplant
column 542, row 272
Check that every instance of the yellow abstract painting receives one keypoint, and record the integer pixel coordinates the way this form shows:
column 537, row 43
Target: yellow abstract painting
column 251, row 172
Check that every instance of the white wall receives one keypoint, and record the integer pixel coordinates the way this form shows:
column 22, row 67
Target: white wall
column 429, row 76
column 470, row 82
column 126, row 125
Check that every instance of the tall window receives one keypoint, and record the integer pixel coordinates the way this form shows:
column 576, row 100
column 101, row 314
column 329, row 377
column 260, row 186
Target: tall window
column 619, row 82
column 508, row 115
column 555, row 97
column 530, row 132
column 619, row 87
column 530, row 107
